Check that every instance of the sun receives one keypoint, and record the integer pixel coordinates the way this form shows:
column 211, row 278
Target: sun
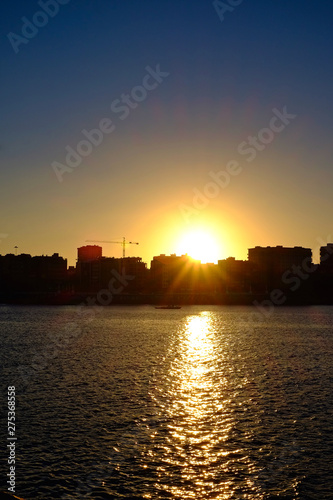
column 200, row 245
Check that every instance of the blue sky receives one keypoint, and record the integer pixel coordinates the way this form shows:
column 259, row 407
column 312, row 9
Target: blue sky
column 224, row 80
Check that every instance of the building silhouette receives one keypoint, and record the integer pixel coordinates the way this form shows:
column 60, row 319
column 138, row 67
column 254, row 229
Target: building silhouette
column 235, row 275
column 171, row 278
column 181, row 274
column 326, row 258
column 270, row 264
column 323, row 280
column 26, row 274
column 94, row 272
column 172, row 273
column 89, row 252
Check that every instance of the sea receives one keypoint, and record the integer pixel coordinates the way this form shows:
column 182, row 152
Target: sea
column 202, row 402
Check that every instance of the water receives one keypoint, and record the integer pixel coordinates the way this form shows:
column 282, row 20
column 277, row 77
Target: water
column 197, row 403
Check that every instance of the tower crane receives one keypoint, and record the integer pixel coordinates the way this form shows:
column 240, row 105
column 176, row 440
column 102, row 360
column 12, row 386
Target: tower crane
column 123, row 243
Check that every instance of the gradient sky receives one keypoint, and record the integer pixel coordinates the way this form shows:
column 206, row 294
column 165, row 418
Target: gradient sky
column 225, row 78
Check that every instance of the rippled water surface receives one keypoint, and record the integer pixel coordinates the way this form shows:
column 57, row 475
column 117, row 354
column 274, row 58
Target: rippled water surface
column 197, row 403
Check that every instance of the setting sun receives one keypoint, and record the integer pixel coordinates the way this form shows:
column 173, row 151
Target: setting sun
column 199, row 245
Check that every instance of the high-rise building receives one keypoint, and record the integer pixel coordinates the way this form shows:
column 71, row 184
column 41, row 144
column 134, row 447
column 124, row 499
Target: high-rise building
column 171, row 272
column 272, row 262
column 89, row 252
column 235, row 275
column 326, row 259
column 24, row 273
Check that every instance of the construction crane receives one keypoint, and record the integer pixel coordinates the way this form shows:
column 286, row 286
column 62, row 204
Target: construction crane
column 123, row 243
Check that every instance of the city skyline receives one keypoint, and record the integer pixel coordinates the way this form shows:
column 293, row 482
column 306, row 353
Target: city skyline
column 270, row 276
column 160, row 120
column 166, row 248
column 316, row 253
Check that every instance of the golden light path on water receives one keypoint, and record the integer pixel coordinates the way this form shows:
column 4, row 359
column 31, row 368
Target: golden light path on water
column 197, row 451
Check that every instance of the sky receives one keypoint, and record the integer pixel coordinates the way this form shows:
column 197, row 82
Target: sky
column 193, row 127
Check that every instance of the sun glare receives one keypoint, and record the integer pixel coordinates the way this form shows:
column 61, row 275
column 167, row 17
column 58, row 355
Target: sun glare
column 199, row 245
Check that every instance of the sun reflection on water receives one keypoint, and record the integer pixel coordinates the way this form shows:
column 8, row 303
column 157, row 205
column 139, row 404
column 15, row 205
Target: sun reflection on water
column 193, row 369
column 197, row 452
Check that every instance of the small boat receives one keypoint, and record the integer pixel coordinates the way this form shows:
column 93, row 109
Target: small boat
column 168, row 307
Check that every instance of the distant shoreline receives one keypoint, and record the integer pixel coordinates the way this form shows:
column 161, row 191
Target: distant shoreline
column 63, row 299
